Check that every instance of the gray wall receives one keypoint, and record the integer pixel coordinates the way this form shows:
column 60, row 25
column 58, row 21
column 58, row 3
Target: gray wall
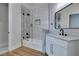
column 3, row 24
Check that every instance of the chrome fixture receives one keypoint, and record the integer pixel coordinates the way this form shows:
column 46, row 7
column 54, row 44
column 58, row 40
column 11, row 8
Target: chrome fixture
column 62, row 32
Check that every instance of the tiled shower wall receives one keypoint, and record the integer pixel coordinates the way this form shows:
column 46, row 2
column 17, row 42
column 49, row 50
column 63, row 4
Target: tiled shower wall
column 39, row 12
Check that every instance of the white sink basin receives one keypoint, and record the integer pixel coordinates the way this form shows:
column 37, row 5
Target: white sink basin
column 67, row 38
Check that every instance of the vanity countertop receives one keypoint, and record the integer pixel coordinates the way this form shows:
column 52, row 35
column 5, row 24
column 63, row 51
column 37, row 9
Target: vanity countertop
column 66, row 38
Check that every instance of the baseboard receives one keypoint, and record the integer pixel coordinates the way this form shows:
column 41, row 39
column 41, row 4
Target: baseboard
column 3, row 48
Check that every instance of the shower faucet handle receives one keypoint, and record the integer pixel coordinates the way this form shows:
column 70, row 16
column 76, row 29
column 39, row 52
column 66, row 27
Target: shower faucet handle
column 26, row 33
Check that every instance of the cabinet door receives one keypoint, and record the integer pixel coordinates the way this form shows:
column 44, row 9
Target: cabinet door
column 49, row 45
column 59, row 50
column 60, row 47
column 56, row 47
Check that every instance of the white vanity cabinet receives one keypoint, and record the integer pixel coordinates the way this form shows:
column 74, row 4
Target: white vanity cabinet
column 60, row 47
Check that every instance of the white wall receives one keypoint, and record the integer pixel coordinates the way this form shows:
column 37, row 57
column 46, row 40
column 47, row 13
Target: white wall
column 52, row 14
column 53, row 9
column 14, row 26
column 3, row 25
column 40, row 11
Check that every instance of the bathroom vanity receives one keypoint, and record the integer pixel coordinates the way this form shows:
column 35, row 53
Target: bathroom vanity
column 57, row 45
column 62, row 44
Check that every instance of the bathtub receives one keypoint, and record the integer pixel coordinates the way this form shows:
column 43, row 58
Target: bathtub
column 33, row 43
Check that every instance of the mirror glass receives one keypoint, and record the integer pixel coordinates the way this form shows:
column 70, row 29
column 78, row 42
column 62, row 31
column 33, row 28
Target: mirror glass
column 68, row 17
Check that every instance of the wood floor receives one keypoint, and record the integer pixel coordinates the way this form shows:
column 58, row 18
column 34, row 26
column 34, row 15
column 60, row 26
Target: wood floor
column 23, row 51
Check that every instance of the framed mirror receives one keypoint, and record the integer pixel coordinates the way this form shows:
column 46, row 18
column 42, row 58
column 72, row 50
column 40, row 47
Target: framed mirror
column 68, row 17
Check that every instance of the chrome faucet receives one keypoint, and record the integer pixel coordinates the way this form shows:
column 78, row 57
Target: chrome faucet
column 62, row 32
